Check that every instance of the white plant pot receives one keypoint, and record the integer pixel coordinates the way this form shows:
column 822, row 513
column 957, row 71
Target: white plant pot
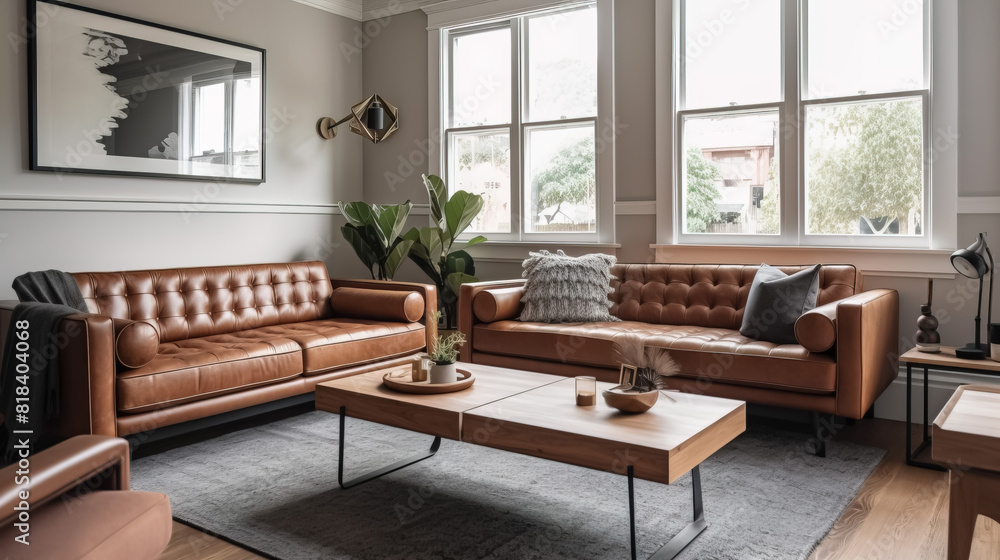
column 443, row 373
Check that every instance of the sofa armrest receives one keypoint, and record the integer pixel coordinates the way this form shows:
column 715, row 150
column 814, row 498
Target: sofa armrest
column 867, row 349
column 87, row 366
column 61, row 468
column 466, row 315
column 428, row 291
column 87, row 374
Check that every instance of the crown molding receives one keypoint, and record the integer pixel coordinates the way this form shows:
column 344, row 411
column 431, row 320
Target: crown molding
column 378, row 9
column 347, row 8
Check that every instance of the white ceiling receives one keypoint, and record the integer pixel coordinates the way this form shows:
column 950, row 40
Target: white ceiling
column 364, row 10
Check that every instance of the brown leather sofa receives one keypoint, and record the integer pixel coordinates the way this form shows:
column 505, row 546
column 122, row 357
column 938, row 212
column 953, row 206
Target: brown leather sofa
column 846, row 356
column 79, row 506
column 161, row 347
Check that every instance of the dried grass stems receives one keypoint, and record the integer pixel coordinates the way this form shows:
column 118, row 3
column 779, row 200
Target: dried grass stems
column 654, row 364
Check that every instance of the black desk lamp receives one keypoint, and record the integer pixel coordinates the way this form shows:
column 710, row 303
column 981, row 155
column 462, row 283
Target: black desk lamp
column 972, row 263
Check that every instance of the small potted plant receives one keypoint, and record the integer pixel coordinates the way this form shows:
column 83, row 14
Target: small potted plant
column 445, row 355
column 642, row 381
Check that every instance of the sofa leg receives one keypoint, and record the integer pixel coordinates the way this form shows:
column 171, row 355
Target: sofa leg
column 851, row 421
column 822, row 427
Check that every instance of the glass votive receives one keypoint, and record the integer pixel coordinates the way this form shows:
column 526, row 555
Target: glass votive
column 586, row 391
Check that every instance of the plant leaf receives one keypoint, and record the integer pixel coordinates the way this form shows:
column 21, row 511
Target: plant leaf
column 455, row 280
column 460, row 261
column 459, row 213
column 357, row 214
column 395, row 258
column 364, row 252
column 437, row 191
column 419, row 255
column 475, row 241
column 431, row 239
column 391, row 219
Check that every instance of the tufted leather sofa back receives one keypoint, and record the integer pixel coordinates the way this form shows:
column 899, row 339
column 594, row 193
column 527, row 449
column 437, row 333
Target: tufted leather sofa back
column 705, row 295
column 186, row 303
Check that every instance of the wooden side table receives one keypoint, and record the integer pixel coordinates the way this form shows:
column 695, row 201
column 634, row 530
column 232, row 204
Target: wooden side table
column 945, row 361
column 967, row 438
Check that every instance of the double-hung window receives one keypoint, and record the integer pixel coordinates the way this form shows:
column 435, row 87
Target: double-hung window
column 803, row 122
column 519, row 115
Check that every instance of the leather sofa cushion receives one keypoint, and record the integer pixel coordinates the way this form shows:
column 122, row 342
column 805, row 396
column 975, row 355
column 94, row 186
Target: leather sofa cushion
column 816, row 329
column 498, row 304
column 385, row 305
column 199, row 368
column 101, row 525
column 705, row 295
column 136, row 343
column 337, row 343
column 711, row 354
column 185, row 303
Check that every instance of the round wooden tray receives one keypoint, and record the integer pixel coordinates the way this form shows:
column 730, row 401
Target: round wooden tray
column 403, row 384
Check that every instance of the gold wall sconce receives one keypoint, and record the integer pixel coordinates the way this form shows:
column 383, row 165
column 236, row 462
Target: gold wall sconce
column 374, row 118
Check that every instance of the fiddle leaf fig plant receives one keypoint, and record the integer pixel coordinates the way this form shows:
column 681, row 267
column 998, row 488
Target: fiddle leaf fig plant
column 373, row 231
column 433, row 247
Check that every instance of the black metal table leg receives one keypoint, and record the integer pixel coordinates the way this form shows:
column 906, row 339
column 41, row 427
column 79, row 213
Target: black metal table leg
column 435, row 445
column 685, row 536
column 910, row 452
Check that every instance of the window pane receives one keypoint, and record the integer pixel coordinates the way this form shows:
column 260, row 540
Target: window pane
column 481, row 78
column 480, row 164
column 561, row 191
column 865, row 46
column 731, row 174
column 562, row 65
column 210, row 120
column 732, row 52
column 246, row 123
column 864, row 168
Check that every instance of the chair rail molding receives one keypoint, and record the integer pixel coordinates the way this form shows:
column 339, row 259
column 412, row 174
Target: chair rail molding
column 190, row 206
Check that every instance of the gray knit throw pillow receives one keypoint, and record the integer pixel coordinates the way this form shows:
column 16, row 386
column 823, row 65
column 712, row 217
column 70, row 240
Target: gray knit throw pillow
column 561, row 289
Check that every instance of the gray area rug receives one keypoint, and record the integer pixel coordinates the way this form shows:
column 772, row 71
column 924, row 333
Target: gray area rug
column 274, row 488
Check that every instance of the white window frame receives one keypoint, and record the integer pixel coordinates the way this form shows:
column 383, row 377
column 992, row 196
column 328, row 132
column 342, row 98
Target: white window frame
column 461, row 15
column 940, row 126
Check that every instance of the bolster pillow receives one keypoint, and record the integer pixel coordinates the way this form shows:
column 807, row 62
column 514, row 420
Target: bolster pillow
column 382, row 305
column 136, row 342
column 816, row 329
column 499, row 304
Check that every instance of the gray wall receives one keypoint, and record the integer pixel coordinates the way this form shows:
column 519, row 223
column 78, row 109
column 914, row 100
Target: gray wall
column 142, row 223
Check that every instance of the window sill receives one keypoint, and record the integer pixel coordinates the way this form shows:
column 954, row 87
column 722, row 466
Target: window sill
column 517, row 251
column 896, row 263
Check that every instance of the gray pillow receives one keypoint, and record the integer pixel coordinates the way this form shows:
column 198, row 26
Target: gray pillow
column 562, row 289
column 776, row 301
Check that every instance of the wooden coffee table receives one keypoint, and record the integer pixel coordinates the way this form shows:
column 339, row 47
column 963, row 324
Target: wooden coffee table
column 536, row 414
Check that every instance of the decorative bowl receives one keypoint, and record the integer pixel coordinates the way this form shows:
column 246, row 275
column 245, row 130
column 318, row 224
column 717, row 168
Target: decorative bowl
column 630, row 400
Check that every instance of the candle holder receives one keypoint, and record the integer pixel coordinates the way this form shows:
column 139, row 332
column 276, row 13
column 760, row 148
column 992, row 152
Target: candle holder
column 927, row 338
column 586, row 391
column 419, row 368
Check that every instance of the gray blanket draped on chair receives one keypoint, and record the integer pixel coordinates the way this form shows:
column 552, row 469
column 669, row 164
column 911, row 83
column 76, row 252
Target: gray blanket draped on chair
column 46, row 298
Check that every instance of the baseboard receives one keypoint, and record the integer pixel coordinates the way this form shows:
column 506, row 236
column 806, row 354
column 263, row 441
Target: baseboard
column 941, row 386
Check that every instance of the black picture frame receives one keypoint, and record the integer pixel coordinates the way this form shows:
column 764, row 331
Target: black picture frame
column 196, row 73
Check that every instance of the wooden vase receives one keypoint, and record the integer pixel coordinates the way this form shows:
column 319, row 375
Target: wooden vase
column 630, row 400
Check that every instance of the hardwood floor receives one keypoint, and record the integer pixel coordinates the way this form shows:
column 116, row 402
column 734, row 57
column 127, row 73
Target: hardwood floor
column 900, row 513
